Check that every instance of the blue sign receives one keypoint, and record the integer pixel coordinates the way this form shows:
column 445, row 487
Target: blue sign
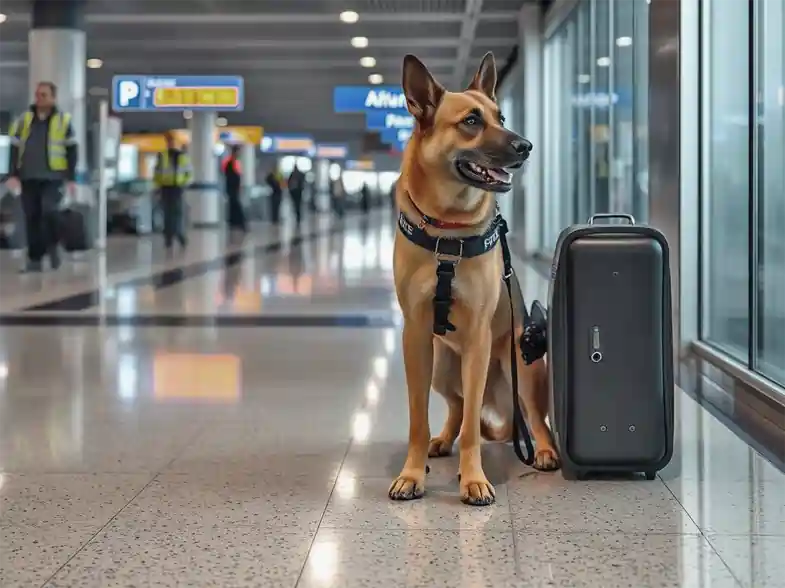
column 368, row 99
column 297, row 144
column 379, row 120
column 177, row 93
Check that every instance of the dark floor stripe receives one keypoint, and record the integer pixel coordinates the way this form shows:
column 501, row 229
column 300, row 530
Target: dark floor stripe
column 171, row 277
column 351, row 321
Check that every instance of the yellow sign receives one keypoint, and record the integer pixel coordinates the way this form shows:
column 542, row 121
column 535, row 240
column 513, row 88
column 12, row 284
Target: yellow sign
column 146, row 143
column 250, row 135
column 196, row 97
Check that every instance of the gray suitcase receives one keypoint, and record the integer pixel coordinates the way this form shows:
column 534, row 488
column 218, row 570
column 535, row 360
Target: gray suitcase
column 610, row 348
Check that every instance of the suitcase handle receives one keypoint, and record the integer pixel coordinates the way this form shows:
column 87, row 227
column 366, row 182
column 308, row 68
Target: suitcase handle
column 609, row 215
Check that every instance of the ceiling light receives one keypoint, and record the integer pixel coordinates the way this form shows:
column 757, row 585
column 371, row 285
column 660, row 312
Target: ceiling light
column 584, row 79
column 349, row 16
column 221, row 121
column 375, row 79
column 604, row 61
column 187, row 114
column 360, row 42
column 368, row 62
column 94, row 63
column 624, row 41
column 3, row 17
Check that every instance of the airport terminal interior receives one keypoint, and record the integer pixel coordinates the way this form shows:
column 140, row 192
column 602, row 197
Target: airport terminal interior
column 230, row 410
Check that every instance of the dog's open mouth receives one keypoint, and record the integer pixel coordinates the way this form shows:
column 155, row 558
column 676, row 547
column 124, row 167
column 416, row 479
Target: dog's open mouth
column 495, row 179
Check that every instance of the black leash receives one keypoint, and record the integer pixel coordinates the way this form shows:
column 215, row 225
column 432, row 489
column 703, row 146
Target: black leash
column 519, row 428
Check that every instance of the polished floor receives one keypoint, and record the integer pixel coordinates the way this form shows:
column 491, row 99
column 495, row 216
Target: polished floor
column 232, row 415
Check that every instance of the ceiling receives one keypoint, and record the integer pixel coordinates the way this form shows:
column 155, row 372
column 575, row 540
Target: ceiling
column 290, row 52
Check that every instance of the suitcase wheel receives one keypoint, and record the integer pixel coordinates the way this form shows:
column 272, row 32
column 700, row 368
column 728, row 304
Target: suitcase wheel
column 651, row 476
column 573, row 475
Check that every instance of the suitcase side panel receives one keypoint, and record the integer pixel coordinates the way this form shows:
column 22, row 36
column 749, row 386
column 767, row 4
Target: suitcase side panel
column 559, row 365
column 616, row 388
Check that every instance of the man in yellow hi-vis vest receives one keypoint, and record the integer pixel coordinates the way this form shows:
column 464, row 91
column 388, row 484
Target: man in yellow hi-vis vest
column 43, row 156
column 172, row 174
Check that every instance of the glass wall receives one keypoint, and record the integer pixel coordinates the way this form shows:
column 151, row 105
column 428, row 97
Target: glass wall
column 595, row 115
column 743, row 182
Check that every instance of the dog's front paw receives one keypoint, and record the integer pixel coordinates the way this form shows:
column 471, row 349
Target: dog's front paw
column 477, row 491
column 439, row 447
column 407, row 487
column 546, row 460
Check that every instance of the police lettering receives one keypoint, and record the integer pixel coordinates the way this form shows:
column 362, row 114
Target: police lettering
column 491, row 240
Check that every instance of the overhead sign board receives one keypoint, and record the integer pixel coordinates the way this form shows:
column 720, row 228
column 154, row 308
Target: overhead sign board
column 360, row 165
column 331, row 151
column 242, row 134
column 360, row 99
column 177, row 93
column 295, row 144
column 379, row 120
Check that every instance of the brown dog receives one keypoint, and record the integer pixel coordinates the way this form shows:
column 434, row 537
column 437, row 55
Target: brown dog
column 455, row 162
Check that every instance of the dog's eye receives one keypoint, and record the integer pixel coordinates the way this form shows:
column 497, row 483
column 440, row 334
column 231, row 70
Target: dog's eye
column 472, row 120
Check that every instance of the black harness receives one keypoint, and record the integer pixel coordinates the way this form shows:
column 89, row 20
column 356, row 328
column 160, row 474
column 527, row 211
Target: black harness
column 449, row 251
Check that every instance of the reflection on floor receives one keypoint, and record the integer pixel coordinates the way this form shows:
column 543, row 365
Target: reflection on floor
column 229, row 456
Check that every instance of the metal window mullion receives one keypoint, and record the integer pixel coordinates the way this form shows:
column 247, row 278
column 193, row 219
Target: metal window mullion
column 612, row 195
column 592, row 115
column 754, row 183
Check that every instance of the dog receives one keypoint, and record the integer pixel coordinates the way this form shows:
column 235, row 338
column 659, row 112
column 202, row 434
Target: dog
column 457, row 160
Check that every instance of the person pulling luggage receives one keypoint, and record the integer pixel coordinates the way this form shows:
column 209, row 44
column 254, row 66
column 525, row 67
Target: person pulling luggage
column 43, row 156
column 172, row 174
column 275, row 181
column 296, row 186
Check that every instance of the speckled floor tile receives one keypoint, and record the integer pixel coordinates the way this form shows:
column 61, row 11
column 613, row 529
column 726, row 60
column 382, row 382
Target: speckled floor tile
column 414, row 559
column 545, row 502
column 53, row 499
column 734, row 507
column 362, row 503
column 30, row 555
column 590, row 560
column 227, row 501
column 238, row 557
column 757, row 561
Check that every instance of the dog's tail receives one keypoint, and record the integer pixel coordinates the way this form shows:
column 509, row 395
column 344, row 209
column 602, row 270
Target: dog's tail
column 495, row 432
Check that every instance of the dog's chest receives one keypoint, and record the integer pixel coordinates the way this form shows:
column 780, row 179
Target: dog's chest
column 468, row 288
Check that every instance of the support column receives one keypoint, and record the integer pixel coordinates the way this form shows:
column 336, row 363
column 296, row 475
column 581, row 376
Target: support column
column 248, row 164
column 58, row 54
column 204, row 198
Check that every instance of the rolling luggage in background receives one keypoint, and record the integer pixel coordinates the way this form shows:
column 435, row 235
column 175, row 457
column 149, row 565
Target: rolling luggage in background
column 74, row 227
column 12, row 223
column 610, row 348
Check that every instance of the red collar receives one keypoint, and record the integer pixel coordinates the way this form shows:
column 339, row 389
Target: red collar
column 435, row 222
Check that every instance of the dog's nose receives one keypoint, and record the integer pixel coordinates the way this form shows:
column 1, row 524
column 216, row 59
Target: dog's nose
column 521, row 146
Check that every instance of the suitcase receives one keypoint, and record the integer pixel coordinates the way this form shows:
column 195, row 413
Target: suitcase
column 74, row 228
column 610, row 349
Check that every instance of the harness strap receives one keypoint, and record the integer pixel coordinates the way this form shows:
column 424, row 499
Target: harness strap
column 442, row 299
column 519, row 428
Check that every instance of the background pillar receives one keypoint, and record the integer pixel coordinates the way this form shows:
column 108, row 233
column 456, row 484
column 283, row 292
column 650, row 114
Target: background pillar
column 204, row 197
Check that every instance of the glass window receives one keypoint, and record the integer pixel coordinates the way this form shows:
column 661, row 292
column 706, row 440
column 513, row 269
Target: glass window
column 725, row 167
column 600, row 102
column 623, row 107
column 769, row 357
column 640, row 102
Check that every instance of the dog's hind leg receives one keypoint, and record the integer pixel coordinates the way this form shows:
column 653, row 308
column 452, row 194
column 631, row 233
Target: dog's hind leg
column 447, row 383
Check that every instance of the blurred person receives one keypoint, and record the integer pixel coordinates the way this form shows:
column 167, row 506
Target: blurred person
column 233, row 175
column 274, row 179
column 296, row 186
column 365, row 198
column 337, row 194
column 172, row 174
column 43, row 156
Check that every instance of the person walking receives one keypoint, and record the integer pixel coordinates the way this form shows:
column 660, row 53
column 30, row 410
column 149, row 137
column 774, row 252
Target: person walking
column 172, row 174
column 43, row 157
column 233, row 176
column 296, row 186
column 274, row 180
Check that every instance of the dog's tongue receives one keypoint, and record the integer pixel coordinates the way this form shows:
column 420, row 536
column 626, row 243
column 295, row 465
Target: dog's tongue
column 499, row 174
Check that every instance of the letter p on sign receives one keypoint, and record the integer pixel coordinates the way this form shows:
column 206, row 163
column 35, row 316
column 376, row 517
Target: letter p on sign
column 128, row 91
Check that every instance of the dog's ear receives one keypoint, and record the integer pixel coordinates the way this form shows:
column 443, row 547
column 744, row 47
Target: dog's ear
column 485, row 79
column 423, row 93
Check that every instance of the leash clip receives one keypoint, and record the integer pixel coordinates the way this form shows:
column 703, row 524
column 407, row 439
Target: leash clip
column 508, row 272
column 448, row 257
